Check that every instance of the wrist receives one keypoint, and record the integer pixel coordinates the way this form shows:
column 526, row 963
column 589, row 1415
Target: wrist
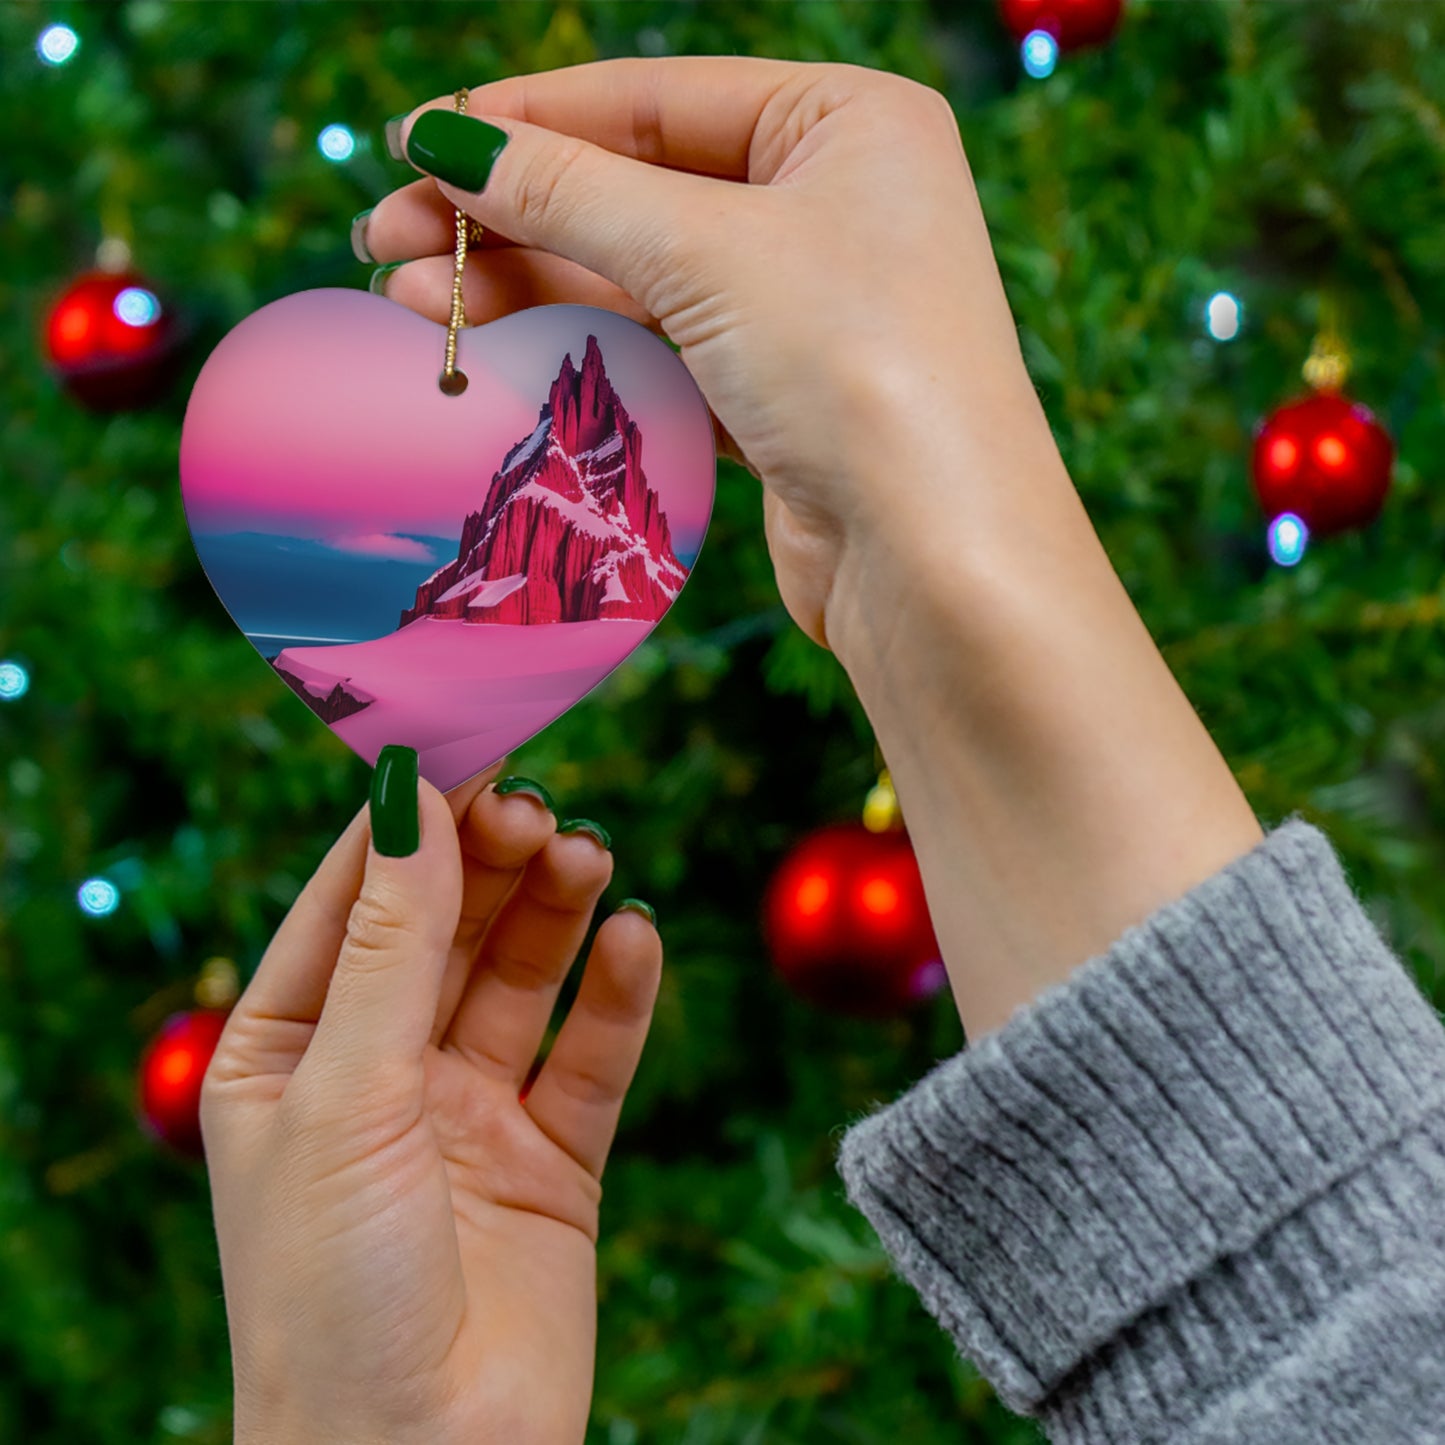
column 1056, row 782
column 949, row 536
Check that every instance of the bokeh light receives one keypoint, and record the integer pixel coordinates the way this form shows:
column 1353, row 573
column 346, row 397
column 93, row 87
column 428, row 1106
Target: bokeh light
column 1223, row 316
column 1288, row 538
column 1040, row 52
column 57, row 44
column 336, row 143
column 98, row 897
column 14, row 681
column 137, row 307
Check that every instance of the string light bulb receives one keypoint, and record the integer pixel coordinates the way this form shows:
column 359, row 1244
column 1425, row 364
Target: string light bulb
column 1040, row 54
column 98, row 897
column 1223, row 316
column 57, row 44
column 14, row 681
column 336, row 143
column 1288, row 538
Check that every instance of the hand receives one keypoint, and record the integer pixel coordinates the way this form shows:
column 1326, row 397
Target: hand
column 407, row 1248
column 843, row 315
column 840, row 305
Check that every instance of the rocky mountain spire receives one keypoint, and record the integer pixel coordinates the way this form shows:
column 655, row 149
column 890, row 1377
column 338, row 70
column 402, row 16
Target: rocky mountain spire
column 570, row 530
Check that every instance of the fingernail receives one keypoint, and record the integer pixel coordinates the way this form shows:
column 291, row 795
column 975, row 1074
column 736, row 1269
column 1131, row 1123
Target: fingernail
column 395, row 824
column 454, row 148
column 393, row 137
column 586, row 825
column 379, row 278
column 526, row 785
column 636, row 905
column 359, row 248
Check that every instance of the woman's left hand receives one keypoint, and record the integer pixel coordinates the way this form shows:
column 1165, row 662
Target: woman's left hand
column 407, row 1245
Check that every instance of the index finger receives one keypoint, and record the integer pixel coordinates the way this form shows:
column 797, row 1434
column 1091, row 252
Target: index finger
column 695, row 113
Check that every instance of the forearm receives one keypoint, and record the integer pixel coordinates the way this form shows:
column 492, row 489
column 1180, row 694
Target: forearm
column 1056, row 782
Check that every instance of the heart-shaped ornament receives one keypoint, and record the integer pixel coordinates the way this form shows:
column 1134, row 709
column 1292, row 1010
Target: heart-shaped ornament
column 446, row 572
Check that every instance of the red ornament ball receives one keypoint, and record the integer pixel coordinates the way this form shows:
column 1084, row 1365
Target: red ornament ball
column 112, row 341
column 1324, row 458
column 1073, row 23
column 847, row 924
column 171, row 1071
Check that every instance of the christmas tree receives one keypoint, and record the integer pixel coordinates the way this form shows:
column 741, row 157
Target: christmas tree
column 1212, row 162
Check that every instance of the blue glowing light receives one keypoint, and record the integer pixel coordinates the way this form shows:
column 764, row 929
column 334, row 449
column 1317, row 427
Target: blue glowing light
column 1288, row 538
column 98, row 897
column 1223, row 316
column 336, row 143
column 57, row 44
column 14, row 681
column 137, row 307
column 1040, row 52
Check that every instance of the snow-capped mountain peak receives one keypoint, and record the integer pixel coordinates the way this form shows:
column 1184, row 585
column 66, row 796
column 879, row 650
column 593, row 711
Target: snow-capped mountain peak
column 570, row 530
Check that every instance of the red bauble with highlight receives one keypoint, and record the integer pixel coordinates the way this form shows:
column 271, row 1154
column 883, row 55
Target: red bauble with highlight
column 847, row 923
column 171, row 1071
column 112, row 341
column 1326, row 459
column 1073, row 23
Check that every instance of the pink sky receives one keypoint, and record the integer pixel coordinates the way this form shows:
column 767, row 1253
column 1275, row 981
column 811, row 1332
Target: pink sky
column 319, row 416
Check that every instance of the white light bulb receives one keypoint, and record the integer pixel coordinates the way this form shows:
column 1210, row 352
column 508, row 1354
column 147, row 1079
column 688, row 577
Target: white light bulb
column 1288, row 538
column 98, row 897
column 336, row 143
column 57, row 44
column 1040, row 52
column 14, row 681
column 137, row 307
column 1223, row 316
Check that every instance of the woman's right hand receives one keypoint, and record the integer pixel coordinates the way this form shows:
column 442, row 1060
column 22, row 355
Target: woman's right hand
column 810, row 238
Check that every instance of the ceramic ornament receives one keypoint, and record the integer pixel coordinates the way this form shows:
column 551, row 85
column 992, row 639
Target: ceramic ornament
column 445, row 572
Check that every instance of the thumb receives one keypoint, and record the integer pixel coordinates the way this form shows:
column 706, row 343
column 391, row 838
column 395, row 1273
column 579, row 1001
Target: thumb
column 633, row 223
column 382, row 999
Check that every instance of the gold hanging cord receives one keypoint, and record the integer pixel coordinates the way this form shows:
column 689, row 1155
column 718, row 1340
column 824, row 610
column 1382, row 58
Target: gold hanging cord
column 1328, row 366
column 452, row 381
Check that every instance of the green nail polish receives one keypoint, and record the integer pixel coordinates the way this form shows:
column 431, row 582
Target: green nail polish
column 455, row 148
column 359, row 248
column 393, row 136
column 636, row 905
column 377, row 284
column 526, row 785
column 395, row 821
column 586, row 825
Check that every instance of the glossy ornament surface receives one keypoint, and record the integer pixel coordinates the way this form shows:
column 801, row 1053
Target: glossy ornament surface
column 171, row 1072
column 847, row 924
column 112, row 341
column 445, row 572
column 1072, row 23
column 1324, row 458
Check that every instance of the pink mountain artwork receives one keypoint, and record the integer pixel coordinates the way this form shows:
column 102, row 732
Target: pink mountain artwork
column 562, row 570
column 570, row 531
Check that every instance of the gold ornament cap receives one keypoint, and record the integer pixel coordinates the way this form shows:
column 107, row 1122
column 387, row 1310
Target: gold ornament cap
column 1328, row 365
column 219, row 985
column 881, row 813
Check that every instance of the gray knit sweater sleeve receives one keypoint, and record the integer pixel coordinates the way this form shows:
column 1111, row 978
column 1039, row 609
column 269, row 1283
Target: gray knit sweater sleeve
column 1197, row 1191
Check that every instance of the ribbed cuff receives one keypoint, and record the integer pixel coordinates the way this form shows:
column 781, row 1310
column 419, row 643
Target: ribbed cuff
column 1126, row 1194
